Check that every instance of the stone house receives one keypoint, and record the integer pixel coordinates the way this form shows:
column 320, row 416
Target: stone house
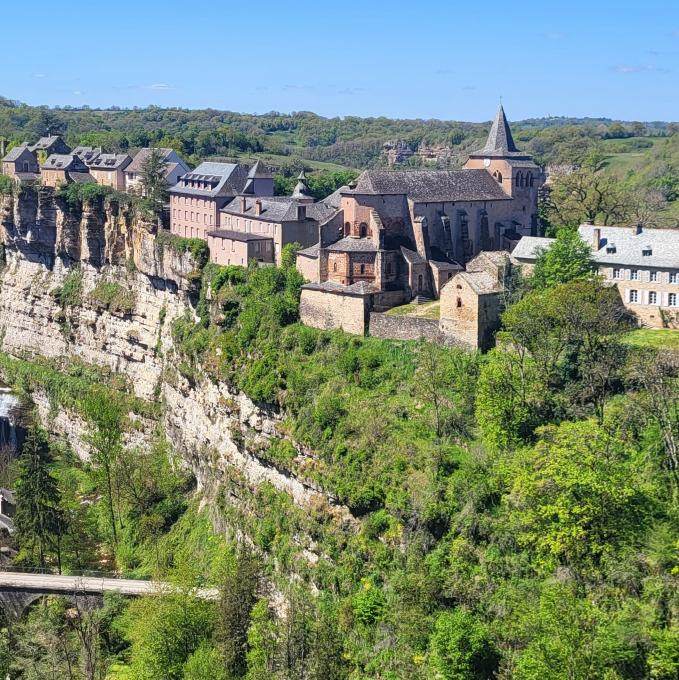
column 199, row 196
column 87, row 154
column 642, row 263
column 21, row 163
column 64, row 169
column 51, row 144
column 108, row 169
column 404, row 235
column 175, row 167
column 238, row 248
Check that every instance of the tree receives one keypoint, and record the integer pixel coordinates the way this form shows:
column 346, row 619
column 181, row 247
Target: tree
column 567, row 259
column 153, row 183
column 262, row 643
column 578, row 496
column 461, row 648
column 38, row 519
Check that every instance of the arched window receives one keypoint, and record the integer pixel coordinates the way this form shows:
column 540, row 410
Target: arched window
column 459, row 302
column 334, row 266
column 26, row 166
column 363, row 230
column 519, row 179
column 347, row 228
column 498, row 176
column 529, row 179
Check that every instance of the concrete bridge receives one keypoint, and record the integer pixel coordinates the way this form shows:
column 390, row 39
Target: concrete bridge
column 18, row 590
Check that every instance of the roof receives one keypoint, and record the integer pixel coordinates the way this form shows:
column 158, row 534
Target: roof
column 46, row 142
column 27, row 176
column 500, row 140
column 87, row 153
column 260, row 171
column 350, row 244
column 142, row 155
column 528, row 246
column 238, row 235
column 482, row 282
column 432, row 186
column 274, row 208
column 224, row 179
column 64, row 161
column 411, row 256
column 81, row 177
column 301, row 189
column 630, row 244
column 7, row 494
column 110, row 161
column 358, row 288
column 499, row 258
column 15, row 153
column 311, row 251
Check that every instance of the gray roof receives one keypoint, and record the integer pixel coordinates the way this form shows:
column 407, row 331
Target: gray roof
column 358, row 288
column 311, row 251
column 224, row 179
column 81, row 177
column 260, row 171
column 629, row 245
column 412, row 256
column 274, row 208
column 27, row 176
column 238, row 235
column 87, row 153
column 528, row 246
column 143, row 154
column 482, row 282
column 46, row 142
column 432, row 186
column 500, row 140
column 110, row 161
column 16, row 152
column 64, row 161
column 353, row 245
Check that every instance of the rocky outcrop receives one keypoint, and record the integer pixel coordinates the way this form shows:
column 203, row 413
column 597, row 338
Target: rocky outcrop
column 399, row 152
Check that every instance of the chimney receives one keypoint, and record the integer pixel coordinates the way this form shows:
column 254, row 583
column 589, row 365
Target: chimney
column 258, row 207
column 243, row 203
column 639, row 228
column 301, row 212
column 596, row 238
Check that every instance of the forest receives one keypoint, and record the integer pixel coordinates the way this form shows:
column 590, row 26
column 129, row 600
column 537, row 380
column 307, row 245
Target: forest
column 516, row 513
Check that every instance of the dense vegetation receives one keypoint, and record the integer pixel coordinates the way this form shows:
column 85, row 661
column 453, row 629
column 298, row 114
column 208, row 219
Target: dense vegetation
column 516, row 513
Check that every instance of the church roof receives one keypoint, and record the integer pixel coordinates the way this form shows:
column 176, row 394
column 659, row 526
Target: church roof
column 432, row 186
column 500, row 140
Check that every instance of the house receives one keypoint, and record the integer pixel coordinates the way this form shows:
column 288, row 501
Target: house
column 238, row 248
column 108, row 169
column 406, row 233
column 175, row 167
column 51, row 144
column 281, row 219
column 87, row 153
column 642, row 263
column 64, row 169
column 199, row 196
column 21, row 163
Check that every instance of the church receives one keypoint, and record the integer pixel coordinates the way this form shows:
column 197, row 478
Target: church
column 402, row 235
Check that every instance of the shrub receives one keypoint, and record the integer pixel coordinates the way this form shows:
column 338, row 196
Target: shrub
column 113, row 296
column 69, row 294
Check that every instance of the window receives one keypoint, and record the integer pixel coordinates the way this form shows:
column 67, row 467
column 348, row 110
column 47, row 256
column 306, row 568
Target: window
column 634, row 295
column 26, row 166
column 610, row 248
column 498, row 176
column 634, row 274
column 673, row 277
column 652, row 297
column 459, row 302
column 257, row 246
column 363, row 230
column 647, row 251
column 347, row 228
column 362, row 269
column 672, row 299
column 617, row 273
column 334, row 266
column 653, row 276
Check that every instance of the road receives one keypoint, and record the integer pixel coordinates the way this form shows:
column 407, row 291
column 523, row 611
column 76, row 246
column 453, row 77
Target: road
column 54, row 583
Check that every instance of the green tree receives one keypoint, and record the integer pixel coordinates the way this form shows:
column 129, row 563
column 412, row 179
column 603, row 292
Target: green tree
column 262, row 643
column 461, row 647
column 153, row 183
column 567, row 259
column 38, row 519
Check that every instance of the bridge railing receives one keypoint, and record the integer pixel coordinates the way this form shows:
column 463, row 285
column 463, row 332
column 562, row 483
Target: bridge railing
column 92, row 573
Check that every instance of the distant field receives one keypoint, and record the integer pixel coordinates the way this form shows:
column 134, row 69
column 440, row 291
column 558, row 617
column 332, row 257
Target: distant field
column 276, row 159
column 659, row 338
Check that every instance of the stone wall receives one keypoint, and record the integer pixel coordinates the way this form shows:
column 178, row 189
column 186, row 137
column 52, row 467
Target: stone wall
column 328, row 310
column 391, row 327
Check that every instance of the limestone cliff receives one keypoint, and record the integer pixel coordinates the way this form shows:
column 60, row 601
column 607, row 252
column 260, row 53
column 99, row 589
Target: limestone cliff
column 49, row 247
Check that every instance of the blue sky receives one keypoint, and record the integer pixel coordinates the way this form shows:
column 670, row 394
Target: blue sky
column 407, row 59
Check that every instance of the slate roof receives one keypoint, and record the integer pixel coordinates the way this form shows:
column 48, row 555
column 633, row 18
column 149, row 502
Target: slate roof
column 353, row 245
column 358, row 288
column 500, row 140
column 274, row 208
column 482, row 282
column 412, row 256
column 110, row 161
column 629, row 246
column 225, row 179
column 527, row 247
column 64, row 161
column 238, row 235
column 15, row 153
column 27, row 176
column 87, row 153
column 46, row 142
column 432, row 186
column 311, row 251
column 81, row 177
column 142, row 155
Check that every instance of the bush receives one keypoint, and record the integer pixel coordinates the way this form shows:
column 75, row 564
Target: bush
column 197, row 247
column 114, row 297
column 69, row 294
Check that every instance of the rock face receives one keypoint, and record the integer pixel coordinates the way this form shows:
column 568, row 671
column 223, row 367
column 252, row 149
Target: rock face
column 216, row 430
column 399, row 152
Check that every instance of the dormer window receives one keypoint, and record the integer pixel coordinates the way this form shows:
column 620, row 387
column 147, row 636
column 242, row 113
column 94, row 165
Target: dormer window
column 610, row 248
column 647, row 251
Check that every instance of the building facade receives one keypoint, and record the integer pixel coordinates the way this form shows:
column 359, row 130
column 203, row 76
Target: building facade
column 64, row 169
column 642, row 263
column 175, row 167
column 21, row 163
column 108, row 169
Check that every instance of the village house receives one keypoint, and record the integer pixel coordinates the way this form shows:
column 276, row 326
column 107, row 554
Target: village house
column 108, row 169
column 199, row 196
column 87, row 154
column 405, row 234
column 64, row 169
column 175, row 167
column 21, row 164
column 642, row 263
column 279, row 219
column 51, row 144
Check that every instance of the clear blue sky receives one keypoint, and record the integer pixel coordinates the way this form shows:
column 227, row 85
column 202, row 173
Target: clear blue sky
column 396, row 58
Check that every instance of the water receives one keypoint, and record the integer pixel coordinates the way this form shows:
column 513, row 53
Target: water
column 11, row 434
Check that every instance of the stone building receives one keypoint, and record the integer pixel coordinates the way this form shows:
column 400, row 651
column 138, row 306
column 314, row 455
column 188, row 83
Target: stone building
column 238, row 248
column 21, row 163
column 643, row 263
column 175, row 167
column 108, row 169
column 64, row 169
column 405, row 234
column 87, row 154
column 199, row 196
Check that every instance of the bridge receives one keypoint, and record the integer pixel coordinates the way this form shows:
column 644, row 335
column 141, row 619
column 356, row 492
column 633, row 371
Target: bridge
column 18, row 590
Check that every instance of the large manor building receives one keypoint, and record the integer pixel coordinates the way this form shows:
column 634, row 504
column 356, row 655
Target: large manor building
column 403, row 235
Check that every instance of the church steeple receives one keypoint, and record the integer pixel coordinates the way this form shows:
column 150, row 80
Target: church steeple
column 500, row 141
column 301, row 191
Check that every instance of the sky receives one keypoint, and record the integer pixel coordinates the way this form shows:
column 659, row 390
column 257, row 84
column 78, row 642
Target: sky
column 401, row 59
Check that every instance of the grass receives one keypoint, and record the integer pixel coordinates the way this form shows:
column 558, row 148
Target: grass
column 428, row 310
column 657, row 338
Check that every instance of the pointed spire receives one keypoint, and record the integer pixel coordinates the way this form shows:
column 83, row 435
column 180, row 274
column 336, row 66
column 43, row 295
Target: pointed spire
column 500, row 140
column 301, row 190
column 255, row 170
